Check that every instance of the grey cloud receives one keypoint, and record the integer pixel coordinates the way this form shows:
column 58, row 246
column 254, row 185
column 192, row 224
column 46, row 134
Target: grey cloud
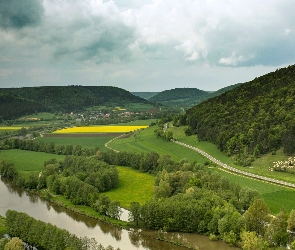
column 18, row 14
column 241, row 44
column 98, row 39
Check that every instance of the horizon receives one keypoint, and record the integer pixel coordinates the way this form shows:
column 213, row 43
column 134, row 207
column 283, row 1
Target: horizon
column 144, row 46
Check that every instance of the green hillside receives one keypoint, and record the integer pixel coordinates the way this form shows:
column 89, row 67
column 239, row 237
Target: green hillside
column 185, row 97
column 254, row 118
column 12, row 106
column 145, row 95
column 64, row 98
column 180, row 96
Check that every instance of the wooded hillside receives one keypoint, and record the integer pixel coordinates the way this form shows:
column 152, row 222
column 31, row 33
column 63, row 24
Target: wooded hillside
column 62, row 98
column 180, row 96
column 13, row 106
column 252, row 119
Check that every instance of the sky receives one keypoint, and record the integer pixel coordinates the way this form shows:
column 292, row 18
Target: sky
column 148, row 46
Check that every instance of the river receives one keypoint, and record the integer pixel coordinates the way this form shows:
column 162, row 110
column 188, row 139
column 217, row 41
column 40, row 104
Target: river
column 106, row 234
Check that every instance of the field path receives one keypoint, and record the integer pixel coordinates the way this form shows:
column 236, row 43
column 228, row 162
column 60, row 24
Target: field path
column 223, row 165
column 107, row 144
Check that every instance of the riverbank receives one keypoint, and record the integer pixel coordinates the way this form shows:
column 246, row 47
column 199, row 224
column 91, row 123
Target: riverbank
column 105, row 233
column 2, row 226
column 80, row 209
column 90, row 213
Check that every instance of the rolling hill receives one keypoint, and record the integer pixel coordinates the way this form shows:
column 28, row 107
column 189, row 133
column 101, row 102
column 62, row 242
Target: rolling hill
column 184, row 97
column 180, row 96
column 254, row 118
column 12, row 106
column 62, row 98
column 145, row 95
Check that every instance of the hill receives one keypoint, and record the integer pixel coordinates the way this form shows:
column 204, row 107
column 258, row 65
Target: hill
column 145, row 95
column 12, row 106
column 180, row 96
column 254, row 118
column 66, row 98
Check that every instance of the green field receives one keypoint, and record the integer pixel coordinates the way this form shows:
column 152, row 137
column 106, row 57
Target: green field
column 130, row 107
column 133, row 186
column 27, row 161
column 139, row 107
column 41, row 115
column 275, row 196
column 146, row 141
column 87, row 142
column 138, row 122
column 260, row 166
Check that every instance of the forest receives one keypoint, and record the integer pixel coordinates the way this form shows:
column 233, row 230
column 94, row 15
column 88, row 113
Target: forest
column 252, row 119
column 178, row 94
column 60, row 99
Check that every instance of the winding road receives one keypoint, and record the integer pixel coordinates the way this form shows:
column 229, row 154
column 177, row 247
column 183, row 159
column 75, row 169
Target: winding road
column 287, row 184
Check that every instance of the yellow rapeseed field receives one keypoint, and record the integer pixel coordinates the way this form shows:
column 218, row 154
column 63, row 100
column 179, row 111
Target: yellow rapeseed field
column 100, row 129
column 10, row 128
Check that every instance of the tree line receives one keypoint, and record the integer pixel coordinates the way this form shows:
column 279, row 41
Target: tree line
column 46, row 147
column 45, row 235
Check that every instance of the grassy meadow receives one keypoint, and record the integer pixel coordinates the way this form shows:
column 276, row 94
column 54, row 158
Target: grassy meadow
column 85, row 142
column 260, row 166
column 146, row 141
column 27, row 161
column 275, row 196
column 133, row 186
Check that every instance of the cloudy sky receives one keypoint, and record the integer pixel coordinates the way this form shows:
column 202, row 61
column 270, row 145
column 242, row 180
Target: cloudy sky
column 144, row 45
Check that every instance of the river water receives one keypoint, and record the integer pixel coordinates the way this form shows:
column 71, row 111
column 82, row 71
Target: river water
column 106, row 234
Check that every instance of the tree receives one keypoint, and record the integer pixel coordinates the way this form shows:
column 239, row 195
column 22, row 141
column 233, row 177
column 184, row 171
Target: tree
column 231, row 225
column 276, row 233
column 291, row 221
column 134, row 213
column 114, row 210
column 14, row 244
column 257, row 217
column 247, row 195
column 250, row 241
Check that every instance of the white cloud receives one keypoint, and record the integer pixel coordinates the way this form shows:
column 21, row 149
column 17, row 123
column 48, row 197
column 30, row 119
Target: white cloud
column 234, row 59
column 140, row 42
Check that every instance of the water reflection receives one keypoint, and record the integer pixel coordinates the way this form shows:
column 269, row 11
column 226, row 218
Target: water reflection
column 106, row 234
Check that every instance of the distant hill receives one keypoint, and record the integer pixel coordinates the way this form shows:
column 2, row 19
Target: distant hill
column 223, row 90
column 252, row 119
column 12, row 106
column 184, row 97
column 180, row 96
column 64, row 98
column 145, row 95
